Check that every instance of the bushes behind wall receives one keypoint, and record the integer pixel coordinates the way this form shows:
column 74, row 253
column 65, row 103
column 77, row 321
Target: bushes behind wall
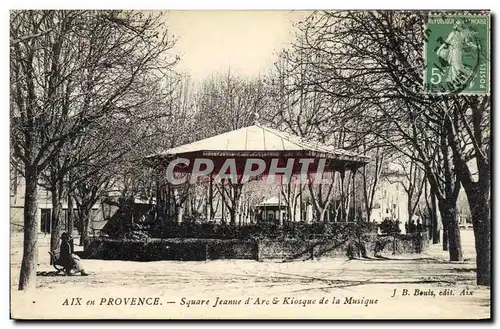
column 368, row 245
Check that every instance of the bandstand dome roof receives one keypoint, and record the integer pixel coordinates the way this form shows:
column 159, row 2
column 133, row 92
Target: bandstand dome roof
column 260, row 141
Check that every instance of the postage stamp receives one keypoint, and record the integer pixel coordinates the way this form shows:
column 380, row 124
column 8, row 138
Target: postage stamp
column 457, row 53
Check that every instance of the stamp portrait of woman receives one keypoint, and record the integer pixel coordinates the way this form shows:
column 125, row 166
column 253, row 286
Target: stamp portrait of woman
column 459, row 42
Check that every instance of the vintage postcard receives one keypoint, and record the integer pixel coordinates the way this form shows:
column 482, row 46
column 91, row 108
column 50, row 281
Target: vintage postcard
column 250, row 164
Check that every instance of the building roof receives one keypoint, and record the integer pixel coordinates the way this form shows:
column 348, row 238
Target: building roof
column 273, row 201
column 258, row 140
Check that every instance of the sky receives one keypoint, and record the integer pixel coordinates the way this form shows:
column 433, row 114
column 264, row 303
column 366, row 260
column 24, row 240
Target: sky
column 246, row 42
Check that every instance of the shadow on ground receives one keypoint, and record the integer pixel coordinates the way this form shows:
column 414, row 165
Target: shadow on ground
column 49, row 273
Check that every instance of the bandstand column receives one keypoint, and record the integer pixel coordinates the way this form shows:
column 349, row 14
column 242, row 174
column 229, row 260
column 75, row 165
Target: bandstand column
column 342, row 201
column 354, row 191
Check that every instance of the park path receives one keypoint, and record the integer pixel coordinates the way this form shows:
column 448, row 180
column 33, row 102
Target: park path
column 240, row 279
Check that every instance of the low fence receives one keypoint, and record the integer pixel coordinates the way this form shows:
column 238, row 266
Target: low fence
column 367, row 245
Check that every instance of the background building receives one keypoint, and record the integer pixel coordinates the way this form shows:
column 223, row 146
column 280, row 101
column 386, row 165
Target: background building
column 44, row 211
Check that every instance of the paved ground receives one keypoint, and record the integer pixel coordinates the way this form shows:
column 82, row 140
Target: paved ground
column 363, row 288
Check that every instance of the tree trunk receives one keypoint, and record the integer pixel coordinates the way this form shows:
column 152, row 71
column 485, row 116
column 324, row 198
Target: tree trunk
column 238, row 211
column 322, row 217
column 55, row 231
column 409, row 209
column 211, row 199
column 454, row 241
column 481, row 217
column 232, row 216
column 445, row 236
column 27, row 276
column 434, row 221
column 301, row 205
column 179, row 211
column 450, row 221
column 81, row 225
column 168, row 204
column 234, row 210
column 342, row 205
column 84, row 224
column 70, row 220
column 187, row 204
column 223, row 217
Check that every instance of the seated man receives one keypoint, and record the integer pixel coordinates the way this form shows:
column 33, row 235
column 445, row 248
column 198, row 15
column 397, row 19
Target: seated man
column 68, row 259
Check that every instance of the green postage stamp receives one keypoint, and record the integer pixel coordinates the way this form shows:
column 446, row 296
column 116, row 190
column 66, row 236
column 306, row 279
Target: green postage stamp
column 457, row 53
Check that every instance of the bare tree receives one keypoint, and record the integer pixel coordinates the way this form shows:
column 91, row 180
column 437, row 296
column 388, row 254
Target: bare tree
column 469, row 127
column 370, row 174
column 231, row 198
column 321, row 197
column 411, row 177
column 291, row 193
column 228, row 102
column 69, row 69
column 375, row 58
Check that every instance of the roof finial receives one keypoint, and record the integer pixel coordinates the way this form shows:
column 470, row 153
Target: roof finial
column 256, row 118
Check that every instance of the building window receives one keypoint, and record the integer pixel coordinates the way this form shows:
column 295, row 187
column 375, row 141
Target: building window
column 45, row 214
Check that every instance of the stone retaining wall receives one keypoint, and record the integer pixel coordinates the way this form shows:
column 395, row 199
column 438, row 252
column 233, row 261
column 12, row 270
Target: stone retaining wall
column 285, row 250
